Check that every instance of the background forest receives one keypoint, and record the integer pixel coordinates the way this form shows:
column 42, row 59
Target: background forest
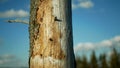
column 113, row 61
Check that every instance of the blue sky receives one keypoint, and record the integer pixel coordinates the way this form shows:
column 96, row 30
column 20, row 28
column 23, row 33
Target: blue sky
column 96, row 25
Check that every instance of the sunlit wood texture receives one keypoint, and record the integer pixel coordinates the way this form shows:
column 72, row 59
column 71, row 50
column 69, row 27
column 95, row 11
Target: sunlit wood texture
column 51, row 41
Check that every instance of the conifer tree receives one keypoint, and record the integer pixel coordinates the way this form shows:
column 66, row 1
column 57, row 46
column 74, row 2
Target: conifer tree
column 103, row 62
column 114, row 62
column 78, row 62
column 85, row 63
column 93, row 61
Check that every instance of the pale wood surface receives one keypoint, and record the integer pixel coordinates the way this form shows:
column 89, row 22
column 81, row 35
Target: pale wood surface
column 51, row 41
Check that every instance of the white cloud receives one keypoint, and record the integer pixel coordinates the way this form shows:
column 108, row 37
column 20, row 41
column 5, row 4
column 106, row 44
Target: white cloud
column 83, row 4
column 82, row 46
column 86, row 4
column 6, row 58
column 9, row 60
column 74, row 6
column 113, row 42
column 14, row 13
column 107, row 43
column 117, row 39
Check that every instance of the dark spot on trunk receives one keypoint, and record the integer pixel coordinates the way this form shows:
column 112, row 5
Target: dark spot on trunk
column 51, row 39
column 41, row 19
column 41, row 55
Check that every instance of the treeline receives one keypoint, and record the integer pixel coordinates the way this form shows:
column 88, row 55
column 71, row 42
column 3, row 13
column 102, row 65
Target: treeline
column 101, row 62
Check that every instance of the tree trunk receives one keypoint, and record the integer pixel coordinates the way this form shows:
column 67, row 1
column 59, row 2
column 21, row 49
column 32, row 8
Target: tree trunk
column 51, row 41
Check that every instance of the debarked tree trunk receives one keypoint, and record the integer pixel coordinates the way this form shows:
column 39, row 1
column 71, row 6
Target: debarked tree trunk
column 51, row 41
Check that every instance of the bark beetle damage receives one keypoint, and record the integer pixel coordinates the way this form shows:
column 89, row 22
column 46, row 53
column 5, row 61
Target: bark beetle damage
column 45, row 35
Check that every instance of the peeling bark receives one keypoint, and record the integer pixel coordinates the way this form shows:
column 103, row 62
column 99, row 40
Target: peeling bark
column 51, row 44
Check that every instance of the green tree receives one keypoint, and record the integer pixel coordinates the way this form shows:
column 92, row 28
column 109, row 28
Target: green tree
column 85, row 63
column 114, row 59
column 93, row 61
column 82, row 63
column 103, row 62
column 78, row 62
